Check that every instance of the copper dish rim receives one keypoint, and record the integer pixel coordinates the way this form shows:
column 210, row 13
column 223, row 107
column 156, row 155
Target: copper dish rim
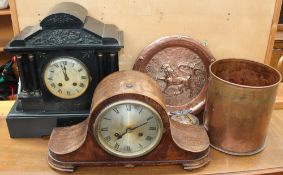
column 197, row 103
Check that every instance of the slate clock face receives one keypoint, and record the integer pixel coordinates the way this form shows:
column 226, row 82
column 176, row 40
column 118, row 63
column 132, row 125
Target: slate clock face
column 128, row 128
column 66, row 77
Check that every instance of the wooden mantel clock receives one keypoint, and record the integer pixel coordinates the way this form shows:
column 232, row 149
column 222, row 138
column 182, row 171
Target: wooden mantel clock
column 60, row 62
column 129, row 126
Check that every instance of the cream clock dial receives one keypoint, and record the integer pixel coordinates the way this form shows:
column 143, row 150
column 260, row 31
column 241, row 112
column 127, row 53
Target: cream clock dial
column 66, row 77
column 128, row 128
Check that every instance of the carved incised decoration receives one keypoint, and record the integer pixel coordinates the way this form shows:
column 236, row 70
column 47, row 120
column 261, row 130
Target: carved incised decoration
column 63, row 37
column 60, row 19
column 179, row 80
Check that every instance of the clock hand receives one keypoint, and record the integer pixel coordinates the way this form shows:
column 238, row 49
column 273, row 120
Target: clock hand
column 130, row 129
column 64, row 72
column 138, row 126
column 119, row 136
column 66, row 75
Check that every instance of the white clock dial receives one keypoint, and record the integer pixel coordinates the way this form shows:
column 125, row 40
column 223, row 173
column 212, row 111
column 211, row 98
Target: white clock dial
column 128, row 129
column 66, row 77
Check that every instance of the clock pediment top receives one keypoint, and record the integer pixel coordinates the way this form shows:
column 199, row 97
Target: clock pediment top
column 65, row 15
column 67, row 26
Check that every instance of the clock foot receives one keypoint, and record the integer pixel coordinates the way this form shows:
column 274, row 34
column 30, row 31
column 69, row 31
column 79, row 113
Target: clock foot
column 60, row 166
column 129, row 166
column 194, row 164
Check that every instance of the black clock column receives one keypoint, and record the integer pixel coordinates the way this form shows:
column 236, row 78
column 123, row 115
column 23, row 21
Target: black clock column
column 23, row 80
column 33, row 75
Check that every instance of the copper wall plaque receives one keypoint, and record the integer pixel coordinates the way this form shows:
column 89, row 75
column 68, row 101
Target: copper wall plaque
column 180, row 66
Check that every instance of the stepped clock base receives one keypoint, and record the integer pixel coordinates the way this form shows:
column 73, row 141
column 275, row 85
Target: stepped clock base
column 70, row 166
column 38, row 124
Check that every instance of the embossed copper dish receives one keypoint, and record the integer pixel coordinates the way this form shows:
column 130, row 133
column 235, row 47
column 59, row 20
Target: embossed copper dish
column 180, row 65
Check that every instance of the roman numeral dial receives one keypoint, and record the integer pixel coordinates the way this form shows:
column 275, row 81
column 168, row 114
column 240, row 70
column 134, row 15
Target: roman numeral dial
column 66, row 77
column 134, row 128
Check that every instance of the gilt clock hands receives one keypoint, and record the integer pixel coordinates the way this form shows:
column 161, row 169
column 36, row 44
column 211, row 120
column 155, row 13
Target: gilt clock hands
column 64, row 72
column 128, row 130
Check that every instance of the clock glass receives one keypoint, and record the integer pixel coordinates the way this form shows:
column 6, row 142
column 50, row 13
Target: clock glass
column 128, row 128
column 66, row 77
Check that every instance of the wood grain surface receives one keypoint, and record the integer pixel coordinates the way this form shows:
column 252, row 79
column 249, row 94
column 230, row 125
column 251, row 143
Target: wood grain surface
column 279, row 98
column 77, row 144
column 273, row 31
column 29, row 156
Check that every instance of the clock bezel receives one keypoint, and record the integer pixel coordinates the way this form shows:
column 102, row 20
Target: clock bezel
column 71, row 58
column 113, row 152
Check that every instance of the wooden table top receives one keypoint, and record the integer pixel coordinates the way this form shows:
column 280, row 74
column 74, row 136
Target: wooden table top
column 29, row 156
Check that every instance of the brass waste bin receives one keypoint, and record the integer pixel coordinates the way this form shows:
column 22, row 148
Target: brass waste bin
column 240, row 98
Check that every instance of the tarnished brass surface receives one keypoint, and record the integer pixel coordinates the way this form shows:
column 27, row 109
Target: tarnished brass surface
column 241, row 94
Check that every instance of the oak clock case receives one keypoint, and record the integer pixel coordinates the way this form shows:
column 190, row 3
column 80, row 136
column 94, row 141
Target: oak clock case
column 85, row 51
column 128, row 126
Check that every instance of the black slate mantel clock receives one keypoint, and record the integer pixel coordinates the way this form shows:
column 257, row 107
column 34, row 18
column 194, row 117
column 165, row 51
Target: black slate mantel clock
column 60, row 62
